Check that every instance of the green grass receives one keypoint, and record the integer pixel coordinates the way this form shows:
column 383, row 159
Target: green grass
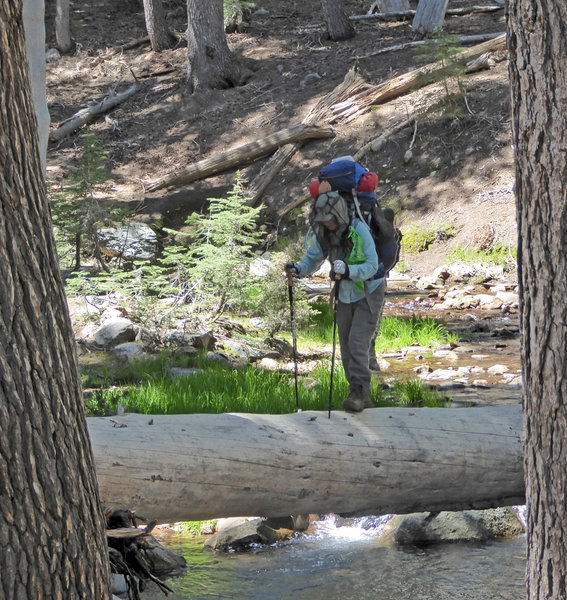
column 416, row 393
column 398, row 332
column 220, row 389
column 420, row 240
column 395, row 332
column 501, row 255
column 320, row 325
column 147, row 386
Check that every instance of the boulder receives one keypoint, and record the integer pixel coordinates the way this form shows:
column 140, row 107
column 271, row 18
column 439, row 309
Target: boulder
column 446, row 526
column 240, row 534
column 115, row 331
column 135, row 241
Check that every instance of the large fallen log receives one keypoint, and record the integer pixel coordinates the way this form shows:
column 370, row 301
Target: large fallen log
column 193, row 467
column 464, row 39
column 394, row 88
column 238, row 156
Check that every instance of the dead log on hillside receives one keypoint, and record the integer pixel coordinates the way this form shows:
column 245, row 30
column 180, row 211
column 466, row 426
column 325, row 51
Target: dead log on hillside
column 320, row 113
column 403, row 84
column 90, row 113
column 465, row 39
column 195, row 467
column 405, row 14
column 364, row 95
column 239, row 156
column 410, row 14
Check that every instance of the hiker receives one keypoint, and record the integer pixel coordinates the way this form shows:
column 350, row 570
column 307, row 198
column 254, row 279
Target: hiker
column 351, row 251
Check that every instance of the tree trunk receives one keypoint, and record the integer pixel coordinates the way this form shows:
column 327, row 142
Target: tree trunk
column 160, row 37
column 338, row 25
column 193, row 467
column 538, row 68
column 51, row 524
column 63, row 26
column 429, row 16
column 34, row 26
column 210, row 62
column 389, row 6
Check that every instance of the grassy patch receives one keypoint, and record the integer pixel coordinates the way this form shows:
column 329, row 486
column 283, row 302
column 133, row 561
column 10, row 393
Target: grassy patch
column 420, row 240
column 398, row 332
column 501, row 255
column 215, row 388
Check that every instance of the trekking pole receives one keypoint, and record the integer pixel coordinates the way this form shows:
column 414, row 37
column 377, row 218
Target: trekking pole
column 336, row 294
column 293, row 337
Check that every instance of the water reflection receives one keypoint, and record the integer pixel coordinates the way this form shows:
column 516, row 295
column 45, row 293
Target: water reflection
column 350, row 563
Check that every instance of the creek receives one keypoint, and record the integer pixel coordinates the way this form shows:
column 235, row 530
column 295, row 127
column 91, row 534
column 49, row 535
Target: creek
column 349, row 562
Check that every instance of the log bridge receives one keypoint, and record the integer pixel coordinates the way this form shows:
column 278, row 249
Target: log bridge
column 399, row 460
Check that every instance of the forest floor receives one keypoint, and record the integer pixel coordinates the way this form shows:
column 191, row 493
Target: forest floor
column 460, row 176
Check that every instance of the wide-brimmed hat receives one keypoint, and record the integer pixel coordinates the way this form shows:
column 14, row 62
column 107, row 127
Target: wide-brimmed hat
column 328, row 206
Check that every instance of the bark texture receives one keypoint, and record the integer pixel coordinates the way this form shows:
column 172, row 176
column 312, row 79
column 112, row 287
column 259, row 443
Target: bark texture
column 194, row 467
column 160, row 37
column 538, row 74
column 211, row 64
column 63, row 26
column 51, row 525
column 429, row 16
column 338, row 25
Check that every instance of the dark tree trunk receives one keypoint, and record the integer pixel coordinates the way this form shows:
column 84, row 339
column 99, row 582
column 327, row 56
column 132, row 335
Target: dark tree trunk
column 160, row 36
column 538, row 69
column 210, row 62
column 51, row 525
column 338, row 25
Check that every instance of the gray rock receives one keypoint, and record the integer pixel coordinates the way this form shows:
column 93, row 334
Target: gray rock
column 129, row 350
column 161, row 560
column 182, row 371
column 135, row 241
column 115, row 331
column 468, row 525
column 219, row 358
column 240, row 534
column 52, row 55
column 197, row 339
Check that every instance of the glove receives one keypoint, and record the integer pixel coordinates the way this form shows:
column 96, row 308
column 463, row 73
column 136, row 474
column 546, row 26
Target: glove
column 291, row 267
column 341, row 268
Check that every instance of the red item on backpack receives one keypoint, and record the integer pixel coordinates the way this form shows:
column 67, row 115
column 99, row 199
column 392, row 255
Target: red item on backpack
column 314, row 188
column 368, row 182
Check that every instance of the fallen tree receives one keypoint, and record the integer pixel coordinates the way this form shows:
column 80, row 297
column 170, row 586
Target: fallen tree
column 238, row 156
column 194, row 467
column 90, row 113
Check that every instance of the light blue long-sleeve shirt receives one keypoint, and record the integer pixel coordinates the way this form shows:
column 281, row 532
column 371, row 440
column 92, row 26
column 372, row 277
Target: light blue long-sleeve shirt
column 348, row 292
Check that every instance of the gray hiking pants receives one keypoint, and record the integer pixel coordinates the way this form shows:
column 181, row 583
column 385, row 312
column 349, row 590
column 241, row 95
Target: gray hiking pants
column 356, row 323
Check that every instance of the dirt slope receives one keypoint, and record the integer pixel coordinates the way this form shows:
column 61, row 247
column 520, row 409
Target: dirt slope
column 461, row 173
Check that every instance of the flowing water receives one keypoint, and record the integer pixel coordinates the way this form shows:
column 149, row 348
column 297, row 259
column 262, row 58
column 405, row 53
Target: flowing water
column 350, row 563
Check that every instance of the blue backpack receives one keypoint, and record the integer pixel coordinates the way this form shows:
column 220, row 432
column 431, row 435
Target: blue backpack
column 347, row 176
column 356, row 184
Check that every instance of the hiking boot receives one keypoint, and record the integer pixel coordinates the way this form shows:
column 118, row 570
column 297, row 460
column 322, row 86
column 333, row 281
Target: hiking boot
column 357, row 401
column 373, row 364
